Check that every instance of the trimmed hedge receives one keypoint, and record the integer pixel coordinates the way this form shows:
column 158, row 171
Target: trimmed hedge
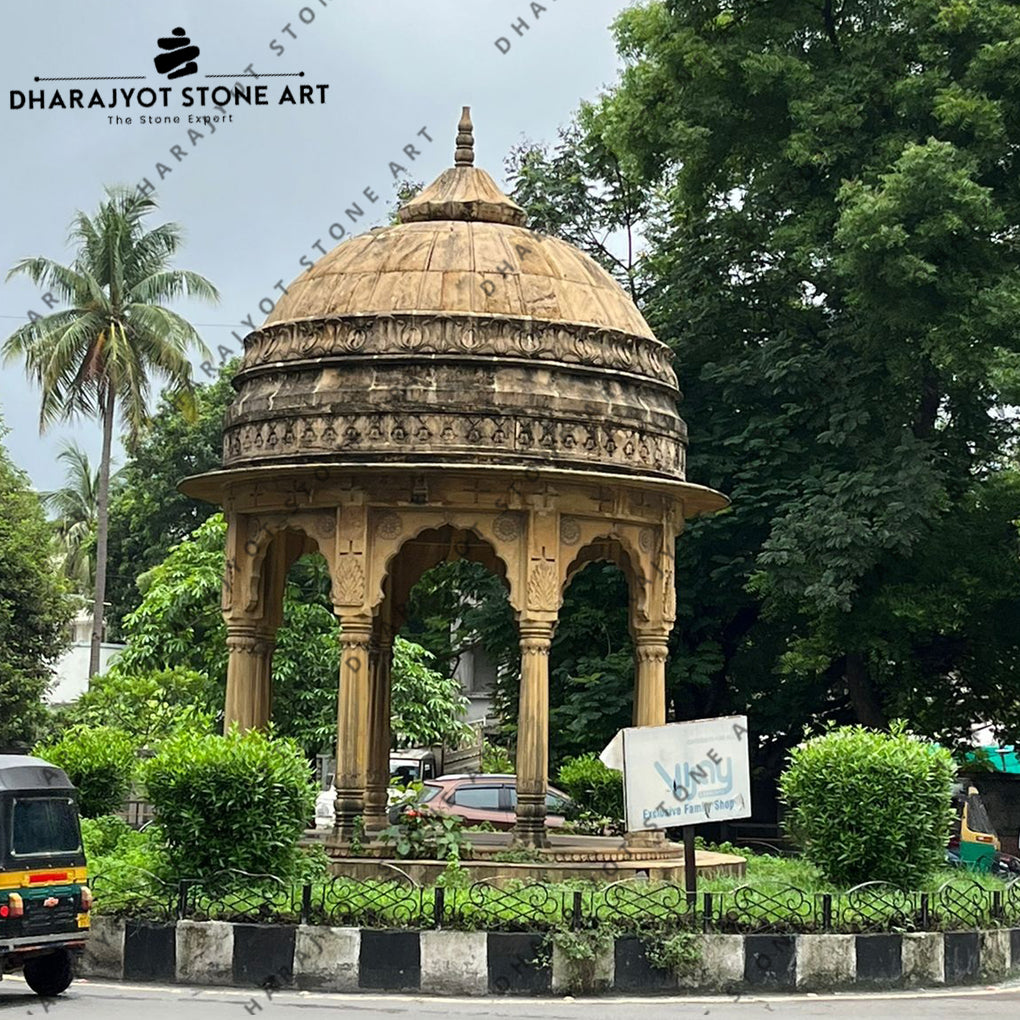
column 238, row 801
column 864, row 805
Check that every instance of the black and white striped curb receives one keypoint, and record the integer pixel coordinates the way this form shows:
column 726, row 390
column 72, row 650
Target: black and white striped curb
column 481, row 963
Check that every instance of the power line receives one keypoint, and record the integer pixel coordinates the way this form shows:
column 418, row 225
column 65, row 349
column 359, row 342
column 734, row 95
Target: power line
column 221, row 325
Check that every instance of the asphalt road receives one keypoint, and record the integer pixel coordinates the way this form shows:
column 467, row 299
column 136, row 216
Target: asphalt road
column 92, row 1000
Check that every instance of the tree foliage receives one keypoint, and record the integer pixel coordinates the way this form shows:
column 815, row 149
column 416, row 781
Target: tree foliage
column 75, row 506
column 148, row 515
column 149, row 706
column 428, row 707
column 833, row 209
column 98, row 355
column 34, row 608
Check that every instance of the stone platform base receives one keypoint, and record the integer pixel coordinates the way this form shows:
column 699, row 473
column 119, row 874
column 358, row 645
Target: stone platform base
column 588, row 858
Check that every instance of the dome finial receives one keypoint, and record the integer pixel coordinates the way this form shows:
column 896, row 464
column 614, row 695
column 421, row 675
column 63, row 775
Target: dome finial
column 465, row 155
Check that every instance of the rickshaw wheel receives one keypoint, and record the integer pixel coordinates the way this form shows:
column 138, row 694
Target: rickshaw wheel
column 49, row 975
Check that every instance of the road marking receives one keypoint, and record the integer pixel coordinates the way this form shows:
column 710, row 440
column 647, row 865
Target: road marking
column 969, row 991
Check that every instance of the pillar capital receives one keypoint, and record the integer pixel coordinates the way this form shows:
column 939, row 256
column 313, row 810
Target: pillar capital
column 250, row 639
column 535, row 637
column 356, row 631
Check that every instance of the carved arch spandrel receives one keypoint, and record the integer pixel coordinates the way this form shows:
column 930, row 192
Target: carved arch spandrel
column 391, row 529
column 632, row 547
column 249, row 539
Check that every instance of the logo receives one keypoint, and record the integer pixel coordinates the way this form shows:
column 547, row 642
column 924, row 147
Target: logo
column 181, row 52
column 50, row 901
column 130, row 97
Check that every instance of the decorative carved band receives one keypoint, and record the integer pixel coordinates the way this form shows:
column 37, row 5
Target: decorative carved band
column 438, row 434
column 543, row 586
column 651, row 653
column 535, row 638
column 258, row 644
column 461, row 335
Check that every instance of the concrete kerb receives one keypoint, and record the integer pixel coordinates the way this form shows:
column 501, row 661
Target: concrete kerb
column 720, row 967
column 456, row 963
column 826, row 961
column 327, row 959
column 995, row 954
column 205, row 952
column 445, row 962
column 924, row 959
column 572, row 976
column 104, row 952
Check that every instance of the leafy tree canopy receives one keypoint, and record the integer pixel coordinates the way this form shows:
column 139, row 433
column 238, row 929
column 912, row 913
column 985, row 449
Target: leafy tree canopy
column 34, row 607
column 830, row 235
column 148, row 516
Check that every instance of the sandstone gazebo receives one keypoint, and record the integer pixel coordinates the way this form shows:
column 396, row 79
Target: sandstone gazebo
column 453, row 384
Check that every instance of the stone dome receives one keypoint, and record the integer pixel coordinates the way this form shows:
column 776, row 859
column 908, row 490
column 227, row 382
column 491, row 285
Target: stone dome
column 457, row 337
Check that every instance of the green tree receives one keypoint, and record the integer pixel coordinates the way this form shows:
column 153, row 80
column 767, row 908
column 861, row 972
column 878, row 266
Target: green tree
column 428, row 707
column 75, row 506
column 34, row 608
column 578, row 190
column 831, row 250
column 99, row 761
column 148, row 515
column 97, row 356
column 149, row 707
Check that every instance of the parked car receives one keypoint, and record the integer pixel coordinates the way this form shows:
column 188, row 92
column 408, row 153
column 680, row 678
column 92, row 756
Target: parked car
column 485, row 797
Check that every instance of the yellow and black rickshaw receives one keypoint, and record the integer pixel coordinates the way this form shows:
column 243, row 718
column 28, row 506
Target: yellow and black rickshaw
column 44, row 901
column 973, row 842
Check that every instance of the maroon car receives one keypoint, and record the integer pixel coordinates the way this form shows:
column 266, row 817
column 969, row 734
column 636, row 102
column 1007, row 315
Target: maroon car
column 487, row 798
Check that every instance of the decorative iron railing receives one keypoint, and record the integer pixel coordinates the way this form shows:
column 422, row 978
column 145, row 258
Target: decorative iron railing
column 626, row 906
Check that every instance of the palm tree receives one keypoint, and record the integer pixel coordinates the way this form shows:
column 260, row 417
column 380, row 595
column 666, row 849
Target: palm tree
column 95, row 357
column 75, row 504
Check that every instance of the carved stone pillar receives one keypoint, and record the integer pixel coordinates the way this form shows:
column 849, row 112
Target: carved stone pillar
column 352, row 722
column 650, row 652
column 533, row 734
column 379, row 735
column 249, row 675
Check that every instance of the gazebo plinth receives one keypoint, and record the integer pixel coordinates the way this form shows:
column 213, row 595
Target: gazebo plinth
column 567, row 858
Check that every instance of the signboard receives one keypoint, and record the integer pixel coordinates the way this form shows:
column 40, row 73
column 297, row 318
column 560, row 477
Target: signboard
column 683, row 773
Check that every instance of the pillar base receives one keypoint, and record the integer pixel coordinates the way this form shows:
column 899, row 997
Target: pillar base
column 349, row 807
column 654, row 839
column 530, row 837
column 376, row 821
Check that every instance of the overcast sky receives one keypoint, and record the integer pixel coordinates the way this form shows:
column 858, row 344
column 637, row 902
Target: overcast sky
column 256, row 195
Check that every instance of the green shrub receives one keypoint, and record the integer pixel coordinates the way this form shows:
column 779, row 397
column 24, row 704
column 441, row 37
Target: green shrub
column 496, row 759
column 418, row 834
column 100, row 836
column 593, row 786
column 865, row 805
column 100, row 761
column 117, row 853
column 240, row 801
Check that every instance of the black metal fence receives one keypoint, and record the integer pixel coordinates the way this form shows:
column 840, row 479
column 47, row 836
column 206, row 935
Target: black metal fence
column 632, row 905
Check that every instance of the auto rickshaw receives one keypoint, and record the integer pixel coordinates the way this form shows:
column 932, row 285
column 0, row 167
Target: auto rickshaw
column 44, row 901
column 973, row 840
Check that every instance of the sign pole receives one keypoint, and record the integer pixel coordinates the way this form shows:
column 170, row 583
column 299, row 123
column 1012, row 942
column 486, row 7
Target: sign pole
column 690, row 866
